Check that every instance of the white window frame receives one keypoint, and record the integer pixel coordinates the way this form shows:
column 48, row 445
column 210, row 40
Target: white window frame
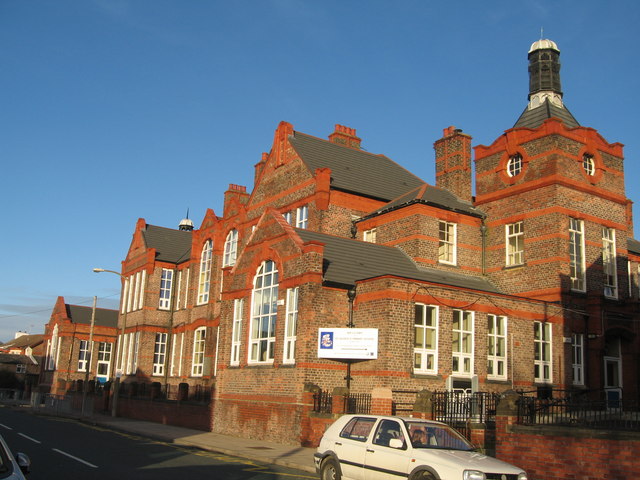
column 291, row 326
column 543, row 355
column 514, row 165
column 179, row 291
column 141, row 287
column 125, row 295
column 103, row 364
column 136, row 295
column 288, row 216
column 497, row 352
column 84, row 355
column 204, row 283
column 462, row 364
column 236, row 334
column 53, row 348
column 514, row 241
column 588, row 164
column 264, row 312
column 197, row 360
column 426, row 325
column 577, row 359
column 166, row 286
column 230, row 248
column 159, row 354
column 609, row 262
column 577, row 255
column 447, row 242
column 370, row 235
column 302, row 216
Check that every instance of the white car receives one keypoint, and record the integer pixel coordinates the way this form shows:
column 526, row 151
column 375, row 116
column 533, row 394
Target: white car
column 12, row 468
column 372, row 447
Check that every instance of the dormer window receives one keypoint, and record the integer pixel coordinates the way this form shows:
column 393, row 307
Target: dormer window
column 588, row 164
column 514, row 165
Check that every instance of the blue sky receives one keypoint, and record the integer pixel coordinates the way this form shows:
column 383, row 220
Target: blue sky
column 118, row 109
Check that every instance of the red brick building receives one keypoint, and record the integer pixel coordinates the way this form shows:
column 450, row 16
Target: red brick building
column 531, row 283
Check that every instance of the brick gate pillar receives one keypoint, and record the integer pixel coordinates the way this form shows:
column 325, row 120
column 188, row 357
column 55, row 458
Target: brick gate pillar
column 423, row 407
column 381, row 401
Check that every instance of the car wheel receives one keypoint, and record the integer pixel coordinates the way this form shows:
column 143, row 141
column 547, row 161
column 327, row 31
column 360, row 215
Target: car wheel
column 329, row 470
column 423, row 475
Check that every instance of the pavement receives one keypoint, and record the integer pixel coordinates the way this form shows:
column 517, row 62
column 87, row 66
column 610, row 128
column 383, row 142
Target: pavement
column 291, row 456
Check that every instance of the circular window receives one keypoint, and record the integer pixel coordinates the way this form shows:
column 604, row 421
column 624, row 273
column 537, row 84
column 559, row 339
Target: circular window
column 514, row 165
column 588, row 164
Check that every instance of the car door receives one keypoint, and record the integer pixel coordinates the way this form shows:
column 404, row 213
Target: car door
column 351, row 445
column 387, row 452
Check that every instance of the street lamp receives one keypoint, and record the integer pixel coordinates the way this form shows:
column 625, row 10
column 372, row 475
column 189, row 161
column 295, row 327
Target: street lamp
column 116, row 386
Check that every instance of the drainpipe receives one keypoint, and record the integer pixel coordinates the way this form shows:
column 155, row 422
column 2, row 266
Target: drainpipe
column 351, row 295
column 483, row 236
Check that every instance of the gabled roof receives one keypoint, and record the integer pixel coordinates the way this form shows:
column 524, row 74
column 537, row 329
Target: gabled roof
column 11, row 359
column 633, row 246
column 353, row 170
column 104, row 317
column 347, row 261
column 536, row 116
column 430, row 195
column 23, row 341
column 173, row 246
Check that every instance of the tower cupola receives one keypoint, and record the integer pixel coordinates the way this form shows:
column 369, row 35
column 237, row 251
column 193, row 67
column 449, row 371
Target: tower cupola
column 544, row 73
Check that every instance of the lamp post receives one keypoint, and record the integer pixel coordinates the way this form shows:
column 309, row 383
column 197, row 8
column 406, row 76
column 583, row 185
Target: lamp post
column 120, row 352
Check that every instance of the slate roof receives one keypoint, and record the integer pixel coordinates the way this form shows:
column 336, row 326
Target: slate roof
column 346, row 261
column 23, row 341
column 536, row 116
column 173, row 246
column 633, row 245
column 11, row 359
column 104, row 317
column 353, row 170
column 430, row 195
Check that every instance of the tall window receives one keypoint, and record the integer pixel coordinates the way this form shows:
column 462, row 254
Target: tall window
column 133, row 291
column 425, row 347
column 52, row 349
column 609, row 267
column 515, row 243
column 302, row 216
column 129, row 359
column 83, row 356
column 588, row 164
column 230, row 249
column 159, row 353
column 496, row 347
column 291, row 326
column 447, row 243
column 103, row 366
column 197, row 363
column 288, row 216
column 166, row 282
column 177, row 350
column 205, row 273
column 236, row 334
column 542, row 352
column 577, row 354
column 262, row 337
column 576, row 254
column 462, row 343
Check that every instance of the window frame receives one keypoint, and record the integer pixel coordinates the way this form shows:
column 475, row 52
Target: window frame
column 199, row 348
column 84, row 356
column 514, row 165
column 302, row 216
column 577, row 359
column 447, row 242
column 236, row 331
column 103, row 363
column 464, row 334
column 166, row 287
column 230, row 248
column 204, row 279
column 543, row 357
column 589, row 164
column 262, row 347
column 577, row 260
column 159, row 354
column 495, row 335
column 291, row 326
column 514, row 244
column 425, row 353
column 609, row 263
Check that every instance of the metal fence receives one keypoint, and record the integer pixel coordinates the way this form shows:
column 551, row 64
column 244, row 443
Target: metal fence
column 587, row 410
column 353, row 402
column 453, row 407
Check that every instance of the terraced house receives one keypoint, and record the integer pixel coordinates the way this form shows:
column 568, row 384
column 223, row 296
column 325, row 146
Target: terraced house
column 531, row 283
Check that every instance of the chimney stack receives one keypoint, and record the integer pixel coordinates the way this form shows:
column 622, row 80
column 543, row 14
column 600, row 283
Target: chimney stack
column 345, row 136
column 453, row 163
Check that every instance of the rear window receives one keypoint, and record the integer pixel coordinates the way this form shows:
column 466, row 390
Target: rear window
column 358, row 428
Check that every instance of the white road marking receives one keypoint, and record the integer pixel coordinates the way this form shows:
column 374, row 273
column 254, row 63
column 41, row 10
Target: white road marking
column 75, row 458
column 29, row 438
column 5, row 426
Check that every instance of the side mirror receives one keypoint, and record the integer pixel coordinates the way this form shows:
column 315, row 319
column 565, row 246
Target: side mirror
column 23, row 462
column 396, row 443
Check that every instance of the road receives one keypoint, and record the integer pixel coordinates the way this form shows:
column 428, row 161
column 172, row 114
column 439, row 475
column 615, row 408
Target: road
column 65, row 449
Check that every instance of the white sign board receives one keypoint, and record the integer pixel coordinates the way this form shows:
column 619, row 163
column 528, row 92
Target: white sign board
column 348, row 343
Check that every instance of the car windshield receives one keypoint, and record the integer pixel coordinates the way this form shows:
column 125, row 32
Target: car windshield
column 431, row 435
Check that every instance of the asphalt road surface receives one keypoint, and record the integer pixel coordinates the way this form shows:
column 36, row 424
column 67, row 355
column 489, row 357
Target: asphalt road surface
column 65, row 449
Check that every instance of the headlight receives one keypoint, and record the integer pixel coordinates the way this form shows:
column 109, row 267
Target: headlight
column 522, row 476
column 474, row 475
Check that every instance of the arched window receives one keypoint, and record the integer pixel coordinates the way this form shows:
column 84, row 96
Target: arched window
column 588, row 164
column 230, row 249
column 264, row 308
column 514, row 165
column 205, row 273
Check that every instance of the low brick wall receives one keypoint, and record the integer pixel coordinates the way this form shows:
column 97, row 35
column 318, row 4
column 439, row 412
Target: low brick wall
column 196, row 416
